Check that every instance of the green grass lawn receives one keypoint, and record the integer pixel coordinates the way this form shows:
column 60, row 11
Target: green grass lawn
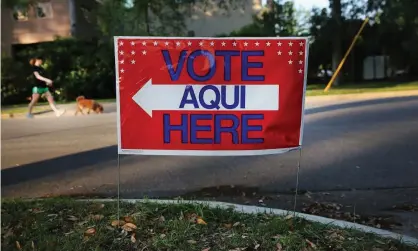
column 315, row 90
column 64, row 224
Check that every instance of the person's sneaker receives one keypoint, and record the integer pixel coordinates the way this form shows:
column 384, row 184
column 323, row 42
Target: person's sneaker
column 60, row 113
column 29, row 116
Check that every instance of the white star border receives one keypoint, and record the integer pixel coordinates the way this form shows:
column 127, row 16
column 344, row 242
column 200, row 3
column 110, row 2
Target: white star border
column 295, row 47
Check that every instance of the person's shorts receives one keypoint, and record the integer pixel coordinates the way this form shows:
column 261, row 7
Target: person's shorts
column 40, row 90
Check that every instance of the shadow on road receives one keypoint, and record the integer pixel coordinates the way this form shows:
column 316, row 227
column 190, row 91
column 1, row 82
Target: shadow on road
column 50, row 167
column 353, row 136
column 42, row 112
column 109, row 108
column 356, row 149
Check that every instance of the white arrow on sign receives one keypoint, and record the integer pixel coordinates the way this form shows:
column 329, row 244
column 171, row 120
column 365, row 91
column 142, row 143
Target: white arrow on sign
column 168, row 98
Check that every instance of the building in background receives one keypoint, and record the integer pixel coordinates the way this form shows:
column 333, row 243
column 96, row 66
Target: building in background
column 48, row 19
column 42, row 22
column 210, row 19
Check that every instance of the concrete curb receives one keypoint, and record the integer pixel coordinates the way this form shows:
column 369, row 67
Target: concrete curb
column 255, row 210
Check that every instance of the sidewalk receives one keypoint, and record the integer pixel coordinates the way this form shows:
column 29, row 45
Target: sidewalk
column 46, row 112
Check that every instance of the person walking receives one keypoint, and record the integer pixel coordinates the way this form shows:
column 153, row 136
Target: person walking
column 40, row 87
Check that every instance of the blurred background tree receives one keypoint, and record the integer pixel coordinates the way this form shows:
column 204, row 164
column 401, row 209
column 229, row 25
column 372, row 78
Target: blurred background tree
column 86, row 66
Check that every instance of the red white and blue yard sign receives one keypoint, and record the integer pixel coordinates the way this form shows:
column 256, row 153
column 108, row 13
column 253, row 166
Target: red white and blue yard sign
column 210, row 96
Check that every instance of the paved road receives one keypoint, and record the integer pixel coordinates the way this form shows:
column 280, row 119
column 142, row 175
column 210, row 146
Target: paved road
column 357, row 142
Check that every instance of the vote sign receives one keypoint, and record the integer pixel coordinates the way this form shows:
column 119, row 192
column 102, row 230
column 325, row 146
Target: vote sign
column 210, row 96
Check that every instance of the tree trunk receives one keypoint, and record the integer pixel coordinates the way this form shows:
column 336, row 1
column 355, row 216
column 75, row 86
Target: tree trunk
column 147, row 26
column 336, row 45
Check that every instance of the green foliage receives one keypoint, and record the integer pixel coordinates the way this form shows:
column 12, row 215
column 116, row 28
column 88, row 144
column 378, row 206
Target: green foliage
column 12, row 3
column 79, row 67
column 393, row 31
column 14, row 80
column 76, row 67
column 398, row 25
column 250, row 30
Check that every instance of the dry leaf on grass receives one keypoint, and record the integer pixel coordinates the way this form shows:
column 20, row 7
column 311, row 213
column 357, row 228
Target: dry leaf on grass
column 133, row 240
column 256, row 246
column 90, row 232
column 236, row 224
column 116, row 223
column 228, row 226
column 18, row 246
column 33, row 245
column 279, row 246
column 36, row 210
column 195, row 219
column 288, row 217
column 191, row 241
column 311, row 244
column 200, row 221
column 128, row 219
column 129, row 227
column 206, row 249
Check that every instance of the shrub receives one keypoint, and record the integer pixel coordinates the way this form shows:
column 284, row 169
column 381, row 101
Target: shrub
column 14, row 81
column 76, row 67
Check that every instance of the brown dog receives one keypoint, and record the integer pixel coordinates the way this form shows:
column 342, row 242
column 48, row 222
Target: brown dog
column 90, row 104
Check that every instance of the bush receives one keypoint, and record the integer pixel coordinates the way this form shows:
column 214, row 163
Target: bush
column 14, row 81
column 76, row 67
